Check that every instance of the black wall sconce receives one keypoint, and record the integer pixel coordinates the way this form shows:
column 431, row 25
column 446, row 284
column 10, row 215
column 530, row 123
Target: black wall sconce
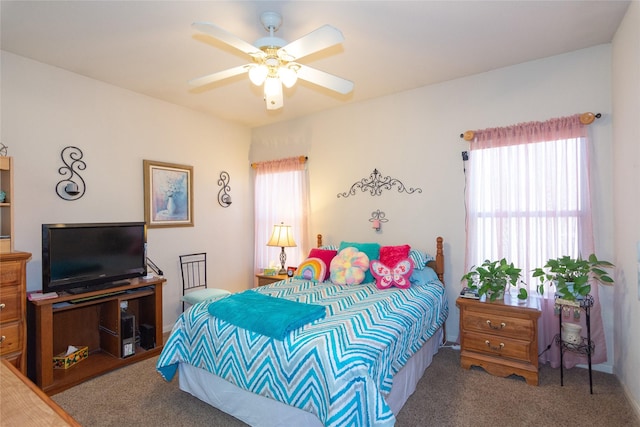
column 224, row 199
column 72, row 187
column 376, row 220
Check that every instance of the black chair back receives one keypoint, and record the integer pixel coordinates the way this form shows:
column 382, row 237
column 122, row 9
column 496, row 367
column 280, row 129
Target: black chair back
column 194, row 272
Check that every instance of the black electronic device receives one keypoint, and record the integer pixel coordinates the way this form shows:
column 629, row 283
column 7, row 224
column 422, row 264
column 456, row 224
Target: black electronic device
column 85, row 257
column 147, row 336
column 127, row 334
column 469, row 293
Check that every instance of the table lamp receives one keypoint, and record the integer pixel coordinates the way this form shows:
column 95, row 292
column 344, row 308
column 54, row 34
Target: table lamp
column 282, row 237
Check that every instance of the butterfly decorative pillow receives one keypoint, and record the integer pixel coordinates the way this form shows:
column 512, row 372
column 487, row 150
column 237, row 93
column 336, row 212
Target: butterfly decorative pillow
column 398, row 275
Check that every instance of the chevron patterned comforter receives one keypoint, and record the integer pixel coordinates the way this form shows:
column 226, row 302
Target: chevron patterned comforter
column 339, row 368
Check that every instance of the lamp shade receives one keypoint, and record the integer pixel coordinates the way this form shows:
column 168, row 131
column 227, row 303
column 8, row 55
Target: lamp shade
column 258, row 74
column 287, row 76
column 282, row 237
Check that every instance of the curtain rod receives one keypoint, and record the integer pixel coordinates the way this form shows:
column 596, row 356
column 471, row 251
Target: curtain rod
column 585, row 119
column 302, row 159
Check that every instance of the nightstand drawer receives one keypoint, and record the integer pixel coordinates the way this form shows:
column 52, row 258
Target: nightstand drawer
column 498, row 324
column 498, row 346
column 10, row 339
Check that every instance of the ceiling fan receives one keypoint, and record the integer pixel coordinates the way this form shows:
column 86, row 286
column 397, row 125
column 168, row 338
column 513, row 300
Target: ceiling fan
column 275, row 61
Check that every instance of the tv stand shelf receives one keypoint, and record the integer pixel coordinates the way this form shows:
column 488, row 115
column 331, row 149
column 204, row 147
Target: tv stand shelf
column 94, row 322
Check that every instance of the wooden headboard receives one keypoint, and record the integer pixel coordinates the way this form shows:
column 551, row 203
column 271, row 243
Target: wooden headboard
column 437, row 265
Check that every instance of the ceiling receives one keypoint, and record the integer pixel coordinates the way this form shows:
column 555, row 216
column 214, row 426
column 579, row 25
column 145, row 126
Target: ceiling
column 149, row 47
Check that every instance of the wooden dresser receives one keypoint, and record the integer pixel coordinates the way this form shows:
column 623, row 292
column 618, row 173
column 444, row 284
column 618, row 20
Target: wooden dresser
column 13, row 303
column 500, row 336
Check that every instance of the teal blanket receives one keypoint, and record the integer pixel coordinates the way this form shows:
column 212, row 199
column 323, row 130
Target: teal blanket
column 270, row 316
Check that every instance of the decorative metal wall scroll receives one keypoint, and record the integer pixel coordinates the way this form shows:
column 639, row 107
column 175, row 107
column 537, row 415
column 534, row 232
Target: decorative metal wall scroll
column 3, row 150
column 375, row 184
column 72, row 187
column 224, row 199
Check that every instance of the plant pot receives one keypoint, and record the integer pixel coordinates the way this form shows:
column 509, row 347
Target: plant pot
column 569, row 286
column 499, row 295
column 568, row 291
column 571, row 333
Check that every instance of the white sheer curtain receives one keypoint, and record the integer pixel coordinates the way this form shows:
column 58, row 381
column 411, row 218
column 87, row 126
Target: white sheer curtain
column 281, row 196
column 528, row 200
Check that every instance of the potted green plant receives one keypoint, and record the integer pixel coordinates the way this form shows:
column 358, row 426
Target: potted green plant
column 493, row 278
column 572, row 277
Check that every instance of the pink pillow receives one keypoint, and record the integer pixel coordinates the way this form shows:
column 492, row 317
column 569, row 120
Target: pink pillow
column 325, row 255
column 397, row 276
column 391, row 255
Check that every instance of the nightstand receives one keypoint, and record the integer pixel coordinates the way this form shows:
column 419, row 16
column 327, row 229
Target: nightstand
column 500, row 336
column 265, row 280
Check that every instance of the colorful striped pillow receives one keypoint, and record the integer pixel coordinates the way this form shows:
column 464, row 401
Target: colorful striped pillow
column 420, row 259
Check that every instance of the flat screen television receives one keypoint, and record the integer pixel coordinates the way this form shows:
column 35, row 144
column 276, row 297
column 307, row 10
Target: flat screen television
column 83, row 257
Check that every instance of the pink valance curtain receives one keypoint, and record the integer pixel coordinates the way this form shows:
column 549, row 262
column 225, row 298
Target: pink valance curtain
column 280, row 196
column 528, row 200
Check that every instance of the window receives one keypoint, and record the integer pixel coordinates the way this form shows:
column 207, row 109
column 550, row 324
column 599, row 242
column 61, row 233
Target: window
column 528, row 200
column 281, row 196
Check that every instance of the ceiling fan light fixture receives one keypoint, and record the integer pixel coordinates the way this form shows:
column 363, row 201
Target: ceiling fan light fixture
column 288, row 76
column 273, row 93
column 258, row 74
column 274, row 61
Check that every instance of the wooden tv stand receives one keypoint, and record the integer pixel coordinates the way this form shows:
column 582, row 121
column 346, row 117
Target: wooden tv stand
column 93, row 322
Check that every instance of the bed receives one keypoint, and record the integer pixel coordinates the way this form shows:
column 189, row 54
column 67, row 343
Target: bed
column 357, row 365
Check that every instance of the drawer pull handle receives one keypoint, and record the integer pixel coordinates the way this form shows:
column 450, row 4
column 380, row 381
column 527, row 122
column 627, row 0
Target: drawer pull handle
column 2, row 338
column 502, row 325
column 500, row 347
column 2, row 305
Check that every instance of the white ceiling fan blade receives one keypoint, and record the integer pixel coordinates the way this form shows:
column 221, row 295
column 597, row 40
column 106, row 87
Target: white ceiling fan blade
column 220, row 75
column 228, row 38
column 317, row 40
column 320, row 78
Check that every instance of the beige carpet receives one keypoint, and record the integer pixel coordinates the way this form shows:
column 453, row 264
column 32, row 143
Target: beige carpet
column 446, row 396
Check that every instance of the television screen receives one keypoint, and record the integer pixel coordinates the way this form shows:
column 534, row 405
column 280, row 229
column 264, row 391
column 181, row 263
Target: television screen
column 85, row 257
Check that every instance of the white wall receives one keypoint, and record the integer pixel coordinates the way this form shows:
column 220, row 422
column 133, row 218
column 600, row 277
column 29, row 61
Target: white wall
column 45, row 109
column 626, row 135
column 414, row 137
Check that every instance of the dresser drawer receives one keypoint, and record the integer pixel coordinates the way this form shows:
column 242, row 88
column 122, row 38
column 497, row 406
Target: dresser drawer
column 11, row 274
column 10, row 338
column 10, row 304
column 494, row 345
column 498, row 324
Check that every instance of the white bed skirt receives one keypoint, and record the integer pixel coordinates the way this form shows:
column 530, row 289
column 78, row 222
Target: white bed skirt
column 261, row 411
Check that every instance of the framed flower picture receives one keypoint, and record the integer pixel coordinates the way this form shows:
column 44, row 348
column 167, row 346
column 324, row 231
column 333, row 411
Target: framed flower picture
column 168, row 194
